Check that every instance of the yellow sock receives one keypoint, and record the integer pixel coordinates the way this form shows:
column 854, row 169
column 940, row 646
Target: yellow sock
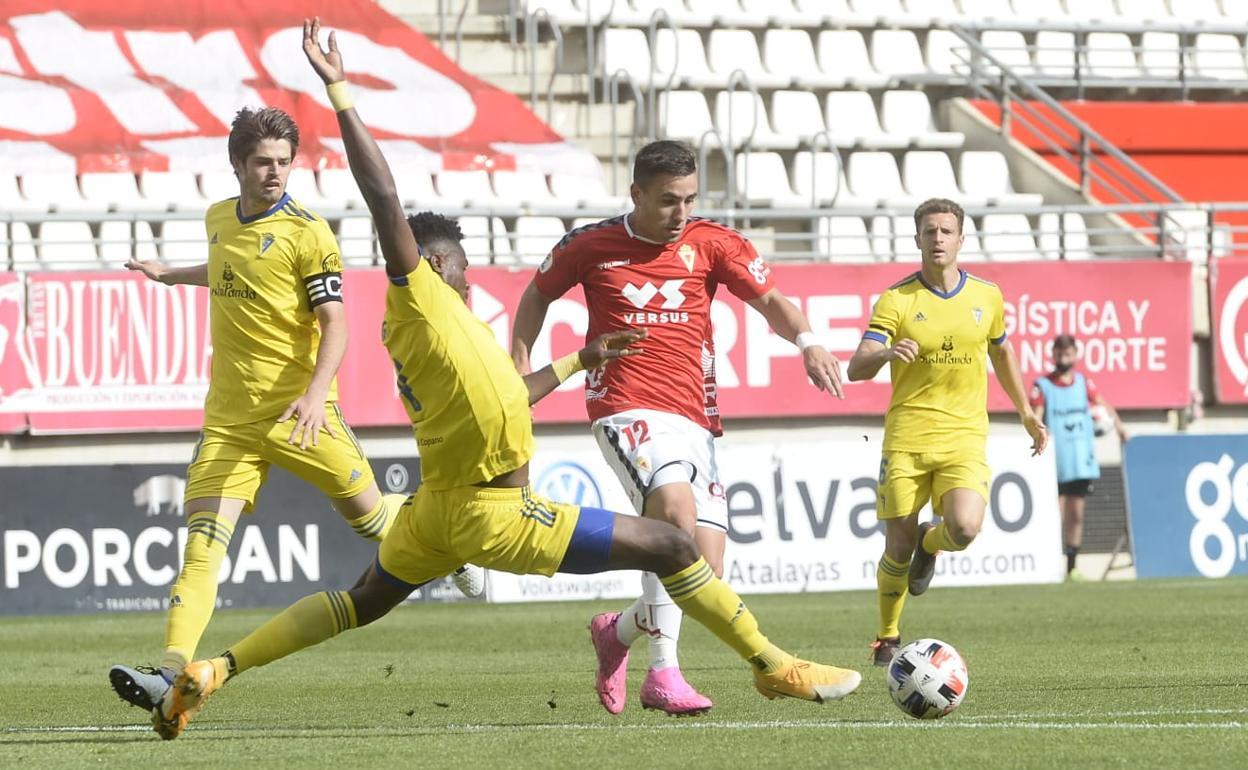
column 309, row 621
column 891, row 583
column 710, row 601
column 194, row 594
column 937, row 539
column 376, row 523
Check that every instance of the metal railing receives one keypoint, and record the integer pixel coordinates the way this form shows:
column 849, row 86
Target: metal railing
column 531, row 24
column 636, row 136
column 838, row 234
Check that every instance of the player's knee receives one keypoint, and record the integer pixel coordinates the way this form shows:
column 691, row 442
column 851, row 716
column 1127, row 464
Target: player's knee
column 963, row 532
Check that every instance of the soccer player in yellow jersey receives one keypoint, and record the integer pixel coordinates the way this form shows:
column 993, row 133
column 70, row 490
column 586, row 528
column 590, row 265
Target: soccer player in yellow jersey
column 279, row 333
column 937, row 329
column 470, row 413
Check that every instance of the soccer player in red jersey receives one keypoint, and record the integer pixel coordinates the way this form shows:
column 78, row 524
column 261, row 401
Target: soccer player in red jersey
column 655, row 415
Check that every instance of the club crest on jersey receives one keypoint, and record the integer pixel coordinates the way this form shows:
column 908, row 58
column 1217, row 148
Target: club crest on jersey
column 687, row 255
column 978, row 312
column 266, row 241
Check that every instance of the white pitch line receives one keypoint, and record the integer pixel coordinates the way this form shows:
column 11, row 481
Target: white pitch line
column 1107, row 714
column 704, row 725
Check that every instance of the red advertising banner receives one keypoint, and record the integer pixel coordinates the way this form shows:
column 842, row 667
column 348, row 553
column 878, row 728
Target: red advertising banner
column 150, row 84
column 1228, row 285
column 96, row 351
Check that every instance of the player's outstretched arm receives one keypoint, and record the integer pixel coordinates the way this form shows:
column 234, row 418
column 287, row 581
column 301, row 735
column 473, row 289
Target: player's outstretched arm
column 601, row 351
column 194, row 275
column 787, row 321
column 368, row 166
column 871, row 356
column 530, row 315
column 1009, row 374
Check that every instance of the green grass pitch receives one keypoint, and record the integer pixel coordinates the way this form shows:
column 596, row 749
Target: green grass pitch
column 1131, row 675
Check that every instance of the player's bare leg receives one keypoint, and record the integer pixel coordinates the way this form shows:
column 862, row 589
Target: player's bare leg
column 1072, row 507
column 962, row 516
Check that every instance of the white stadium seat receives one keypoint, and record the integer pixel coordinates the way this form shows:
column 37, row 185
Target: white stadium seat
column 844, row 240
column 895, row 52
column 466, row 188
column 176, row 190
column 67, row 246
column 774, row 13
column 938, row 11
column 481, row 234
column 852, row 122
column 1195, row 11
column 182, row 241
column 677, row 12
column 628, row 50
column 516, row 188
column 1055, row 53
column 945, row 53
column 415, row 188
column 218, row 185
column 11, row 198
column 1159, row 57
column 843, row 53
column 972, row 249
column 1235, row 10
column 798, row 112
column 116, row 191
column 1110, row 56
column 56, row 191
column 822, row 174
column 1093, row 10
column 117, row 238
column 1009, row 48
column 1220, row 57
column 929, row 174
column 584, row 190
column 873, row 177
column 571, row 13
column 1008, row 238
column 791, row 53
column 357, row 240
column 893, row 238
column 985, row 174
column 301, row 185
column 1144, row 10
column 684, row 115
column 1039, row 10
column 338, row 187
column 684, row 52
column 762, row 179
column 998, row 10
column 909, row 114
column 737, row 49
column 536, row 236
column 741, row 118
column 22, row 244
column 1076, row 236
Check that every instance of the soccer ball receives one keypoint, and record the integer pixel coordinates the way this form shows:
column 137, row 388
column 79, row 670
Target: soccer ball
column 1102, row 423
column 927, row 679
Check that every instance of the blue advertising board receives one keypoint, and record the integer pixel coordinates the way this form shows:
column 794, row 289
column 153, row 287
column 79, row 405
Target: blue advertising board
column 1187, row 497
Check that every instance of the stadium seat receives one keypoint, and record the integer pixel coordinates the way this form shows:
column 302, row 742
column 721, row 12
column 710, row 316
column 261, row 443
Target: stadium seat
column 1009, row 48
column 770, row 13
column 892, row 238
column 11, row 198
column 997, row 10
column 829, row 11
column 1195, row 11
column 1144, row 10
column 873, row 177
column 798, row 112
column 584, row 190
column 118, row 243
column 762, row 179
column 790, row 52
column 704, row 13
column 1235, row 10
column 1220, row 57
column 485, row 241
column 536, row 236
column 1103, row 11
column 67, row 246
column 56, row 191
column 571, row 13
column 357, row 241
column 301, row 185
column 684, row 52
column 116, row 191
column 1160, row 54
column 884, row 12
column 22, row 246
column 1186, row 235
column 1009, row 238
column 844, row 240
column 934, row 11
column 515, row 188
column 680, row 14
column 175, row 190
column 929, row 174
column 415, row 188
column 822, row 174
column 737, row 49
column 1055, row 53
column 843, row 53
column 628, row 50
column 1076, row 232
column 466, row 188
column 1039, row 10
column 972, row 249
column 946, row 54
column 852, row 122
column 338, row 187
column 985, row 174
column 741, row 118
column 908, row 114
column 218, row 185
column 684, row 115
column 182, row 242
column 1110, row 56
column 895, row 53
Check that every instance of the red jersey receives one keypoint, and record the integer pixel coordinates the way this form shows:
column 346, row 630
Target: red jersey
column 667, row 288
column 1037, row 396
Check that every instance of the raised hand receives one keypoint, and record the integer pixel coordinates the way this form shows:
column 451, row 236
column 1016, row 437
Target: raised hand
column 328, row 64
column 152, row 268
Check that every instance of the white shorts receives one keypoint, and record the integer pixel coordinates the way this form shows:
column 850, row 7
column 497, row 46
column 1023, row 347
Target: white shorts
column 648, row 449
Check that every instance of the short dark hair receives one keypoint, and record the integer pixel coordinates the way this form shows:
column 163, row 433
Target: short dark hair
column 250, row 127
column 665, row 157
column 1063, row 342
column 938, row 206
column 428, row 228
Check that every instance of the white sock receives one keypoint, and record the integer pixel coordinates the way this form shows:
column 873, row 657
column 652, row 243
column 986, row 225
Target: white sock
column 656, row 616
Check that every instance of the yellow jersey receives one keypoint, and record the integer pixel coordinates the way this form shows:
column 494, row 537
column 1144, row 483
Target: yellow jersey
column 265, row 274
column 468, row 406
column 940, row 400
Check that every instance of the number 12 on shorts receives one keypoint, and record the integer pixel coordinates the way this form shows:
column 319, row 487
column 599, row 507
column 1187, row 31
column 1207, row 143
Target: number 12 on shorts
column 637, row 434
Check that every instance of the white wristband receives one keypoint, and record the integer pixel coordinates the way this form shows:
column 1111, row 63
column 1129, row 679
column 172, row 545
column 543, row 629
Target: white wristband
column 806, row 339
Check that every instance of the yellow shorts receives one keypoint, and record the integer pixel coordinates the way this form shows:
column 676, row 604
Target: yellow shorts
column 509, row 529
column 233, row 461
column 909, row 479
